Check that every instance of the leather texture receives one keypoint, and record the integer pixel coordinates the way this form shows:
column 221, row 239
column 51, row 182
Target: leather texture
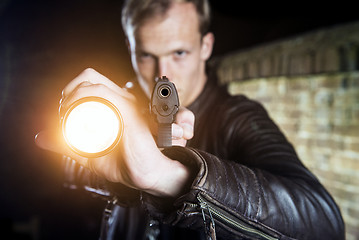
column 247, row 167
column 243, row 166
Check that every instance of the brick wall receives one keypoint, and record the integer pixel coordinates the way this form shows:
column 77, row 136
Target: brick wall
column 310, row 85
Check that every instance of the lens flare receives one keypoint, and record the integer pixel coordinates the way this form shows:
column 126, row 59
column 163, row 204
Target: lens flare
column 92, row 126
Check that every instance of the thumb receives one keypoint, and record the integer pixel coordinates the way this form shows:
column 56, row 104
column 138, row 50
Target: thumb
column 53, row 141
column 49, row 140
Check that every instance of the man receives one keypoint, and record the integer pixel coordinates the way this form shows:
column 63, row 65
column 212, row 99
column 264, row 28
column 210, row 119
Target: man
column 232, row 175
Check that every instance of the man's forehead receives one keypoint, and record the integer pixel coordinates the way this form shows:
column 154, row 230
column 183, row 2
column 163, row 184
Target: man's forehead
column 179, row 24
column 176, row 11
column 183, row 14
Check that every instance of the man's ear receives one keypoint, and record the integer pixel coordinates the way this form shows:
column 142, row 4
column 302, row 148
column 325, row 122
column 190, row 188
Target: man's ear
column 207, row 46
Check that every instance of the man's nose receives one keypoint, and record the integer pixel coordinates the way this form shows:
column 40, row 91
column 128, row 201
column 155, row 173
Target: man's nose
column 163, row 68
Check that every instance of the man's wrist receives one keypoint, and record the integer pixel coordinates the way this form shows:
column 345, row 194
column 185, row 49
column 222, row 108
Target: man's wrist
column 174, row 180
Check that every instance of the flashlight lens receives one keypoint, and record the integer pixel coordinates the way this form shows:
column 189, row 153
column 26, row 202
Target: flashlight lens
column 92, row 127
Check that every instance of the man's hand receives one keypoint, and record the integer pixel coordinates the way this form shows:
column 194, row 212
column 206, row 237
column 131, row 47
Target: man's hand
column 182, row 129
column 136, row 162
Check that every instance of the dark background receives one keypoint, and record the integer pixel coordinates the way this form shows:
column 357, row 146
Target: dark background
column 43, row 45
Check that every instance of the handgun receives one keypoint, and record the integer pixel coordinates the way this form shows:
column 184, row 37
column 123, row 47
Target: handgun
column 164, row 107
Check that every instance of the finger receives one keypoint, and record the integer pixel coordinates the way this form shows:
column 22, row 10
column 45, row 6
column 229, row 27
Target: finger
column 187, row 130
column 177, row 131
column 179, row 142
column 92, row 76
column 64, row 98
column 48, row 140
column 87, row 89
column 90, row 90
column 185, row 119
column 178, row 136
column 54, row 142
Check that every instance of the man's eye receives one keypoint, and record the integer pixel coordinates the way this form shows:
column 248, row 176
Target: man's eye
column 180, row 53
column 144, row 55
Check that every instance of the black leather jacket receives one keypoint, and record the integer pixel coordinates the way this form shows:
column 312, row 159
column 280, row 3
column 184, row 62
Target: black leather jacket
column 248, row 182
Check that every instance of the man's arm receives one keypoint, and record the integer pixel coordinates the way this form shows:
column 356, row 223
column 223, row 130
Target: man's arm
column 136, row 162
column 256, row 189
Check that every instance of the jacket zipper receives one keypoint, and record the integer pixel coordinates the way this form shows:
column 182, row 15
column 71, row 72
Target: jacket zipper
column 230, row 220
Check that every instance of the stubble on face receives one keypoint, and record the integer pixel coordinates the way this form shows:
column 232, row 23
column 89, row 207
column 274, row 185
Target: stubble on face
column 170, row 45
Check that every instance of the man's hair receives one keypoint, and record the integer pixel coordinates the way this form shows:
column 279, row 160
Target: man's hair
column 135, row 12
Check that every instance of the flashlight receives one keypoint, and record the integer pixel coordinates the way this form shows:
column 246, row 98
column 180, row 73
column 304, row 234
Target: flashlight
column 92, row 126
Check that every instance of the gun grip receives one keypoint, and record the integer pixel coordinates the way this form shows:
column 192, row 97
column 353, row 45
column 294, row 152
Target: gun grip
column 164, row 137
column 164, row 106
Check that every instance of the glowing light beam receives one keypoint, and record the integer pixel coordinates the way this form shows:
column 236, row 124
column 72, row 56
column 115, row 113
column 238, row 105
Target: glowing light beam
column 92, row 126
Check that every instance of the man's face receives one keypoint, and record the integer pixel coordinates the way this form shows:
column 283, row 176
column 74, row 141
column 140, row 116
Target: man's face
column 171, row 45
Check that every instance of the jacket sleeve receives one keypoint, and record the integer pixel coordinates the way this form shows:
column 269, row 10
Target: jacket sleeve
column 259, row 190
column 81, row 178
